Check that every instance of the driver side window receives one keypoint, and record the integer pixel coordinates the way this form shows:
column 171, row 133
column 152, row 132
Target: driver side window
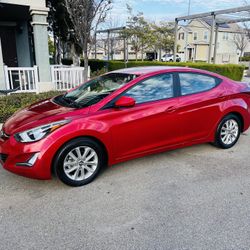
column 152, row 89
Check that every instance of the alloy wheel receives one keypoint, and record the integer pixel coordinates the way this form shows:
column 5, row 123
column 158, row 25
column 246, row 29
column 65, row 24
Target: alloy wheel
column 80, row 163
column 229, row 132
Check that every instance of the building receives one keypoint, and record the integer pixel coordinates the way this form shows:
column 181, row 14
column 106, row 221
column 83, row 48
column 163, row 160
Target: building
column 193, row 41
column 118, row 49
column 23, row 42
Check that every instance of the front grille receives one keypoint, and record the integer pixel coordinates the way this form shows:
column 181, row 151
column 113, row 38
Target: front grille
column 3, row 157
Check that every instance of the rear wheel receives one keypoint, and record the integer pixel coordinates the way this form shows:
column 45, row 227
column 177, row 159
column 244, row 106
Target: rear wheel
column 79, row 162
column 228, row 132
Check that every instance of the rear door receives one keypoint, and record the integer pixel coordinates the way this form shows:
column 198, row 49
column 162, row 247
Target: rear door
column 201, row 97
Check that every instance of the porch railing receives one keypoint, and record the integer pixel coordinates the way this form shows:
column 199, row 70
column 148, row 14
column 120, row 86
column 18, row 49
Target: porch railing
column 24, row 79
column 67, row 77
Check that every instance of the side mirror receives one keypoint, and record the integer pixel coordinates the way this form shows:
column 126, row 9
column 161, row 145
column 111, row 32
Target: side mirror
column 125, row 102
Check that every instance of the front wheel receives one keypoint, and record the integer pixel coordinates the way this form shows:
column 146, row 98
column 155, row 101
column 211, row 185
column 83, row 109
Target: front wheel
column 79, row 162
column 228, row 132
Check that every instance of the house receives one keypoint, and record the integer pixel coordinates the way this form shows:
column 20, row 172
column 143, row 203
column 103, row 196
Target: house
column 24, row 51
column 117, row 50
column 193, row 41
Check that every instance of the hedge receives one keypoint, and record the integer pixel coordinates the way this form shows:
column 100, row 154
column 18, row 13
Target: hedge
column 245, row 59
column 232, row 71
column 11, row 103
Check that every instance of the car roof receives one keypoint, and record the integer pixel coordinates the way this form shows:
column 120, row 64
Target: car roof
column 140, row 71
column 146, row 70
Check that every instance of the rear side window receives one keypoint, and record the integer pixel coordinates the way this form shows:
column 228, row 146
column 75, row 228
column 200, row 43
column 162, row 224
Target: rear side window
column 152, row 89
column 191, row 83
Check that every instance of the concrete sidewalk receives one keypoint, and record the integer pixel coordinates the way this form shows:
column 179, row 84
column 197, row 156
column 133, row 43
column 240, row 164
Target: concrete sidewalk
column 192, row 198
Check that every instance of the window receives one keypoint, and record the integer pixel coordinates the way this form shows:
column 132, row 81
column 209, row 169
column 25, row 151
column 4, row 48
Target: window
column 95, row 90
column 205, row 35
column 195, row 36
column 152, row 89
column 181, row 36
column 195, row 83
column 225, row 36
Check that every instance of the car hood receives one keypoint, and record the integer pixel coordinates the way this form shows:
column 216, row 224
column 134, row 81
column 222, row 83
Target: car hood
column 40, row 113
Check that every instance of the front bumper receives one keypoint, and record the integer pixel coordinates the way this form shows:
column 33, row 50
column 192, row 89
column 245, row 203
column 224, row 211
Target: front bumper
column 29, row 160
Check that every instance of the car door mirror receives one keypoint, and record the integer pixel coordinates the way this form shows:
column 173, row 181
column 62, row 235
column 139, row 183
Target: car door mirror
column 125, row 102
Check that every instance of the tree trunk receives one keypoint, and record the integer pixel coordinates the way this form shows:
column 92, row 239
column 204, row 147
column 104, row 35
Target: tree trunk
column 241, row 53
column 75, row 56
column 55, row 50
column 142, row 52
column 86, row 60
column 58, row 52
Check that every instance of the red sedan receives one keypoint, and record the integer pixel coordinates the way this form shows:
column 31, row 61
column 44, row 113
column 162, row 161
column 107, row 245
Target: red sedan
column 122, row 115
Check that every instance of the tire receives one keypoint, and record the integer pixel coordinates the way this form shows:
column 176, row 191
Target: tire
column 79, row 162
column 228, row 132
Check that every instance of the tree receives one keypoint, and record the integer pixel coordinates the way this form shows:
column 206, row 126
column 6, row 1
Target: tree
column 51, row 47
column 145, row 35
column 86, row 16
column 138, row 32
column 241, row 39
column 60, row 26
column 162, row 36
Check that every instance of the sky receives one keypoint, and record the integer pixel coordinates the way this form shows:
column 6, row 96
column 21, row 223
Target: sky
column 167, row 10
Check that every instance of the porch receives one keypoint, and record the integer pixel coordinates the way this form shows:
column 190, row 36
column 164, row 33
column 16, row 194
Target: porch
column 24, row 54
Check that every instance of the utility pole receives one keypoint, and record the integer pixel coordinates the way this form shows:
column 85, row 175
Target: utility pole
column 210, row 52
column 186, row 32
column 175, row 38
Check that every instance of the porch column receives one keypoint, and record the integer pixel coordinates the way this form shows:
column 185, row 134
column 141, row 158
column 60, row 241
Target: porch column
column 40, row 33
column 2, row 77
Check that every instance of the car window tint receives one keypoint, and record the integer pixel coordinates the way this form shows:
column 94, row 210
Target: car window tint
column 195, row 83
column 152, row 89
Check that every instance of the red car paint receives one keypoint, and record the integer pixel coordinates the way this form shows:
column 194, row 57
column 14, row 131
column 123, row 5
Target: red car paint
column 130, row 132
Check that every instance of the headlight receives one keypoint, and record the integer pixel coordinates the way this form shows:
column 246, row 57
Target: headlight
column 39, row 133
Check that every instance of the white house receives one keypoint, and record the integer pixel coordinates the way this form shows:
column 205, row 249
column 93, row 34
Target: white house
column 23, row 43
column 193, row 41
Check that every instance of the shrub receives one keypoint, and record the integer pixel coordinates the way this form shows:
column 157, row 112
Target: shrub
column 245, row 59
column 97, row 72
column 96, row 65
column 67, row 61
column 11, row 103
column 232, row 71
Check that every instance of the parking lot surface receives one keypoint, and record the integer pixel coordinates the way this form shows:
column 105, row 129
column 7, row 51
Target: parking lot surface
column 192, row 198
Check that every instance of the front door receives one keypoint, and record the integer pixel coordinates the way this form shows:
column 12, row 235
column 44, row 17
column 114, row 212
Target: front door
column 190, row 54
column 8, row 41
column 152, row 123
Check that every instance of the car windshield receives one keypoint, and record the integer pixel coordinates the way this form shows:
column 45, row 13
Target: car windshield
column 95, row 90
